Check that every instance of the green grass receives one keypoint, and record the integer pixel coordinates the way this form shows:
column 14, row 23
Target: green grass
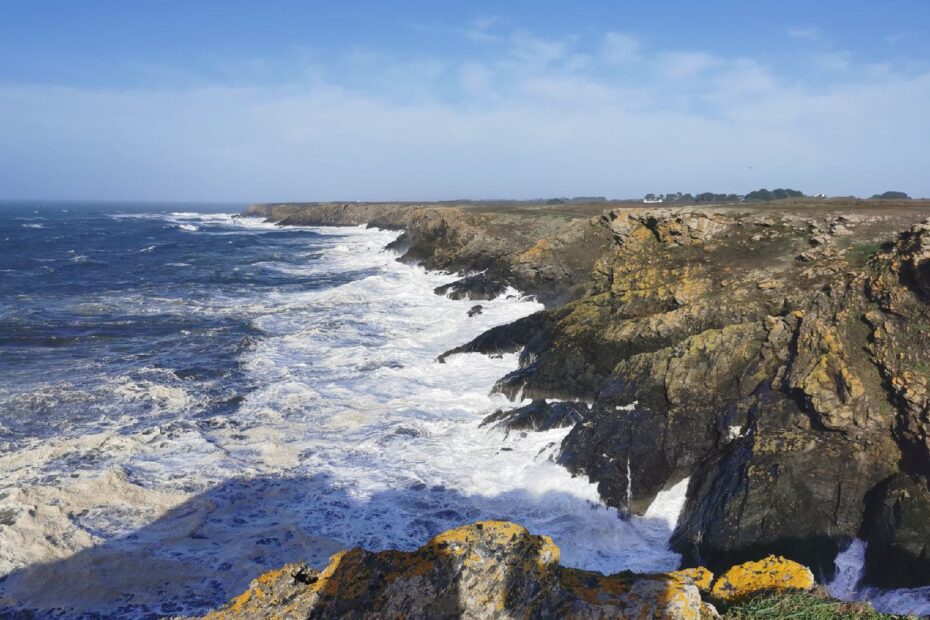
column 800, row 606
column 860, row 253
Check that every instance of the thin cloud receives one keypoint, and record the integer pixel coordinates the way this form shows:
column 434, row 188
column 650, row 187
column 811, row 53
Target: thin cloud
column 538, row 117
column 810, row 33
column 620, row 49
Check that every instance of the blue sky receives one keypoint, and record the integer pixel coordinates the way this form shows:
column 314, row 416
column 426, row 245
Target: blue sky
column 423, row 100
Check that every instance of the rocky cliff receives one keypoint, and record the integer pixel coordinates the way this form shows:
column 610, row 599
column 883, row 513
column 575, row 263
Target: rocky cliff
column 778, row 356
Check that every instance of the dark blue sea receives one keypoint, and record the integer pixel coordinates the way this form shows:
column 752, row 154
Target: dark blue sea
column 93, row 297
column 189, row 398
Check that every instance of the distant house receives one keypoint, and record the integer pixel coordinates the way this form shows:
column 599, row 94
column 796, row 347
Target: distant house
column 652, row 199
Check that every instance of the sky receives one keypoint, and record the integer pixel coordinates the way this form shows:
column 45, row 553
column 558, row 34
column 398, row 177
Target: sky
column 278, row 100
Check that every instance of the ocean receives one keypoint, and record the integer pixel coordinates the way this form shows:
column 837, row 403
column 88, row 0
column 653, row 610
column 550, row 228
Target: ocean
column 189, row 398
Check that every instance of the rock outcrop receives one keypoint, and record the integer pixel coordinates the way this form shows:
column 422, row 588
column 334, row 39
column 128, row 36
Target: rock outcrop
column 491, row 569
column 771, row 574
column 778, row 356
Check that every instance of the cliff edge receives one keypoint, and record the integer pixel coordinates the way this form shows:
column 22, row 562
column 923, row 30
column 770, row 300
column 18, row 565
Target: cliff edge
column 778, row 356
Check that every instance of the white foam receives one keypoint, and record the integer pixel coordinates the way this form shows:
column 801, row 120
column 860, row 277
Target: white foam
column 353, row 435
column 668, row 504
column 850, row 567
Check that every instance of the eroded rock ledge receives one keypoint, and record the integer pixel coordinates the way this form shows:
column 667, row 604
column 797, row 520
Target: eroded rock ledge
column 778, row 356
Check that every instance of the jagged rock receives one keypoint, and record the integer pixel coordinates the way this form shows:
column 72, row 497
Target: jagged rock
column 780, row 490
column 475, row 310
column 508, row 338
column 623, row 452
column 788, row 388
column 478, row 286
column 539, row 415
column 820, row 371
column 491, row 569
column 898, row 533
column 771, row 574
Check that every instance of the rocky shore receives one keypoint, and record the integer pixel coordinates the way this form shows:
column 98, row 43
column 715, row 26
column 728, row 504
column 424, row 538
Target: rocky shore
column 496, row 569
column 778, row 356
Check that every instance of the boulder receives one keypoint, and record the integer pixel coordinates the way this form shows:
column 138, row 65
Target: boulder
column 491, row 569
column 771, row 574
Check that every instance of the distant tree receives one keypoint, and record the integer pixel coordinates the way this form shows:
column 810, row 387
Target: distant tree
column 891, row 196
column 650, row 197
column 775, row 194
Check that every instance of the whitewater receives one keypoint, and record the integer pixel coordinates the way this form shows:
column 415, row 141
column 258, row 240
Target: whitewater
column 292, row 406
column 351, row 434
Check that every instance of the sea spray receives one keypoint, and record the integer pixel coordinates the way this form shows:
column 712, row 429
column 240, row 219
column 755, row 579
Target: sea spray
column 341, row 430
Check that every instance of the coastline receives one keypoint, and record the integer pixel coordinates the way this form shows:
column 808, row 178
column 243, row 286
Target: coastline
column 774, row 317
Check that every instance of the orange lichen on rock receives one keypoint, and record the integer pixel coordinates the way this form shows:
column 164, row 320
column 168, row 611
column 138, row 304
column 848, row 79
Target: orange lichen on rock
column 491, row 569
column 773, row 573
column 699, row 576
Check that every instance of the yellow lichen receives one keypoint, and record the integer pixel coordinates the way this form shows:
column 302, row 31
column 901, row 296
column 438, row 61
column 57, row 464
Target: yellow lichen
column 773, row 573
column 535, row 252
column 701, row 577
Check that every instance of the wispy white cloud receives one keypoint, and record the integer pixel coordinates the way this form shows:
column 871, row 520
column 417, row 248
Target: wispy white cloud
column 810, row 33
column 482, row 29
column 833, row 61
column 620, row 49
column 685, row 65
column 531, row 116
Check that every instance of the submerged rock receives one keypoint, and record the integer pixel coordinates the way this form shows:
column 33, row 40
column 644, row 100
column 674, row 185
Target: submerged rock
column 491, row 569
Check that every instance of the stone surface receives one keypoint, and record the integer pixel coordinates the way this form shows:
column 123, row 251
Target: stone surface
column 491, row 569
column 898, row 533
column 539, row 415
column 477, row 287
column 771, row 574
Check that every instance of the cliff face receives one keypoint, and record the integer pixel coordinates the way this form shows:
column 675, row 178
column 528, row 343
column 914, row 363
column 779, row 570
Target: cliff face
column 546, row 254
column 777, row 356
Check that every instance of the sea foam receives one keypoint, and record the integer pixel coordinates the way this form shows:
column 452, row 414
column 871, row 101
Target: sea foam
column 351, row 433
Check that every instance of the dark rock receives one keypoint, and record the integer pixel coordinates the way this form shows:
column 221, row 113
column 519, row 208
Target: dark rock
column 475, row 310
column 788, row 492
column 621, row 450
column 539, row 416
column 477, row 286
column 897, row 529
column 508, row 338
